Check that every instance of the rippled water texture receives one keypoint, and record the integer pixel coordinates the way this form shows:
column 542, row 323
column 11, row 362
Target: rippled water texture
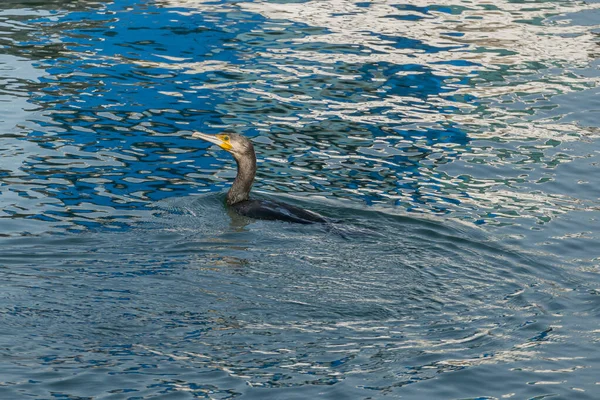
column 456, row 143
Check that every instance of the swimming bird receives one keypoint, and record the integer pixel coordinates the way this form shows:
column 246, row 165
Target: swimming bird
column 238, row 196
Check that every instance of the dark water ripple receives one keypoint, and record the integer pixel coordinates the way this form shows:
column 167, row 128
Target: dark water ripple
column 456, row 142
column 234, row 310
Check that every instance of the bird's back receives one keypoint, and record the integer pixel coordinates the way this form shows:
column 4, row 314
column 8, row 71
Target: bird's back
column 273, row 210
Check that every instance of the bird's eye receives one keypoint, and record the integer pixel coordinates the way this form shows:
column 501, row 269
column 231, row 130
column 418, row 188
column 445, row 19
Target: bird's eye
column 226, row 138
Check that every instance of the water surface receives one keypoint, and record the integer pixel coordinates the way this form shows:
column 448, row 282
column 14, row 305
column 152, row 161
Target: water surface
column 456, row 142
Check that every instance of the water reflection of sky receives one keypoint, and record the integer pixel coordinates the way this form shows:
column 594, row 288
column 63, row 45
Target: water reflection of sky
column 454, row 108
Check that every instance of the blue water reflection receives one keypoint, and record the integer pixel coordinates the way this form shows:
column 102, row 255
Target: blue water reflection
column 122, row 83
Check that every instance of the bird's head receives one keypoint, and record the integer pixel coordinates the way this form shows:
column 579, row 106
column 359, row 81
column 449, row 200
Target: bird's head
column 235, row 144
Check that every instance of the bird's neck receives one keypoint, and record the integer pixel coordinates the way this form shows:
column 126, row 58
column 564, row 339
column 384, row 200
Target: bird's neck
column 246, row 170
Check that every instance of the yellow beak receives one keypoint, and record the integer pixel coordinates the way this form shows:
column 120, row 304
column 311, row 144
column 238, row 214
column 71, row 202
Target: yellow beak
column 215, row 139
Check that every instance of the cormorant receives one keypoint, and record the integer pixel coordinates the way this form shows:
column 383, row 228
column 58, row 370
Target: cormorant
column 238, row 196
